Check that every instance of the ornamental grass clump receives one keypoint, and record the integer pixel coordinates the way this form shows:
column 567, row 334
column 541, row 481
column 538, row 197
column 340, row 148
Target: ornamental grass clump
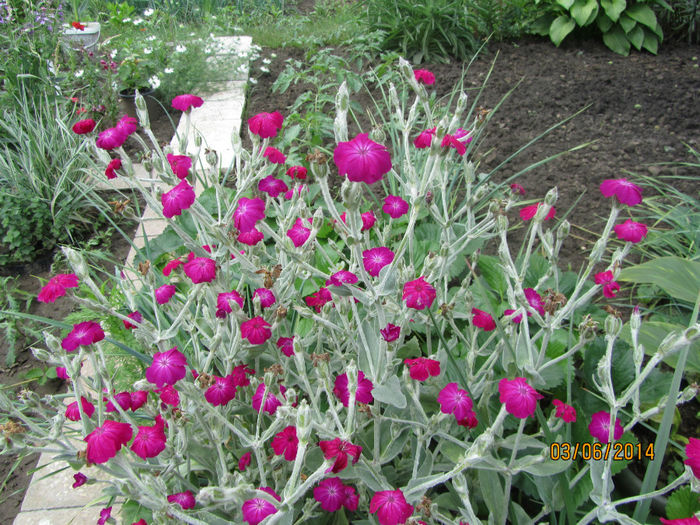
column 306, row 359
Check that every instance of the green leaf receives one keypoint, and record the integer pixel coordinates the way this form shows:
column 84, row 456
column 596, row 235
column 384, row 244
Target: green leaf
column 680, row 278
column 636, row 37
column 492, row 490
column 560, row 28
column 390, row 393
column 651, row 333
column 582, row 10
column 651, row 42
column 604, row 22
column 566, row 4
column 613, row 8
column 616, row 40
column 683, row 503
column 627, row 23
column 535, row 466
column 642, row 14
column 493, row 273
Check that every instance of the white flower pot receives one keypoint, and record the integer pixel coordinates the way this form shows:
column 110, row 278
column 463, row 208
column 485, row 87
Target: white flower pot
column 86, row 39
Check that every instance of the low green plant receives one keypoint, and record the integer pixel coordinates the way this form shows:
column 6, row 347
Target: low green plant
column 682, row 20
column 499, row 20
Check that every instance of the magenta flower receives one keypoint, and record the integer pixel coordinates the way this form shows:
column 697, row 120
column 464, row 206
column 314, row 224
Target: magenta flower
column 251, row 237
column 244, row 462
column 104, row 442
column 256, row 331
column 625, row 191
column 631, row 231
column 340, row 450
column 610, row 286
column 168, row 396
column 170, row 266
column 164, row 293
column 517, row 188
column 167, row 367
column 184, row 499
column 186, row 101
column 180, row 198
column 390, row 333
column 223, row 303
column 221, row 392
column 519, row 397
column 56, row 287
column 62, row 373
column 247, row 213
column 456, row 141
column 391, row 507
column 286, row 345
column 368, row 220
column 123, row 399
column 297, row 172
column 421, row 368
column 266, row 125
column 274, row 155
column 83, row 127
column 424, row 76
column 73, row 412
column 394, row 206
column 105, row 514
column 342, row 277
column 200, row 270
column 692, row 450
column 564, row 411
column 483, row 320
column 528, row 212
column 272, row 186
column 138, row 399
column 681, row 521
column 363, row 394
column 454, row 400
column 424, row 139
column 298, row 233
column 318, row 299
column 134, row 316
column 518, row 318
column 599, row 427
column 80, row 480
column 375, row 259
column 418, row 294
column 127, row 125
column 83, row 334
column 271, row 402
column 267, row 298
column 257, row 509
column 180, row 164
column 362, row 159
column 534, row 300
column 114, row 164
column 286, row 442
column 149, row 441
column 111, row 138
column 238, row 374
column 330, row 494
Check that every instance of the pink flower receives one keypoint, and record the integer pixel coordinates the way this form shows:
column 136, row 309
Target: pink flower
column 149, row 441
column 424, row 76
column 184, row 499
column 140, row 522
column 272, row 186
column 286, row 442
column 123, row 399
column 200, row 270
column 221, row 392
column 363, row 394
column 223, row 303
column 104, row 442
column 170, row 266
column 454, row 400
column 256, row 330
column 421, row 368
column 111, row 138
column 180, row 164
column 517, row 188
column 483, row 320
column 692, row 450
column 247, row 213
column 134, row 316
column 340, row 450
column 330, row 494
column 599, row 427
column 681, row 521
column 168, row 396
column 127, row 125
column 394, row 206
column 138, row 399
column 266, row 125
column 271, row 402
column 297, row 172
column 84, row 126
column 83, row 334
column 62, row 373
column 518, row 318
column 164, row 293
column 105, row 514
column 244, row 462
column 257, row 509
column 56, row 287
column 318, row 299
column 73, row 412
column 631, row 231
column 610, row 286
column 519, row 397
column 457, row 141
column 362, row 159
column 564, row 411
column 298, row 233
column 251, row 237
column 180, row 198
column 238, row 375
column 375, row 259
column 286, row 345
column 274, row 155
column 267, row 298
column 625, row 191
column 418, row 294
column 391, row 507
column 534, row 300
column 187, row 101
column 167, row 367
column 528, row 212
column 390, row 333
column 423, row 140
column 342, row 277
column 80, row 480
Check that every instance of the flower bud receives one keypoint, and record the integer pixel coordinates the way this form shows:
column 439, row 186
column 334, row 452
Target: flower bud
column 635, row 319
column 613, row 325
column 462, row 103
column 303, row 421
column 40, row 354
column 469, row 173
column 352, row 377
column 76, row 262
column 211, row 156
column 394, row 96
column 551, row 197
column 142, row 110
column 197, row 138
column 502, row 223
column 563, row 230
column 377, row 134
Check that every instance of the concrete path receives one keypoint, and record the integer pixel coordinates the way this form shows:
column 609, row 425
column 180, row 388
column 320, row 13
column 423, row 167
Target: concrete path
column 52, row 501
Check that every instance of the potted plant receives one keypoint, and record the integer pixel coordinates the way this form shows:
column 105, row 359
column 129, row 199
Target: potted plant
column 81, row 34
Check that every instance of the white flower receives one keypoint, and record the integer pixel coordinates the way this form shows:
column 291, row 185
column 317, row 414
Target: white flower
column 147, row 50
column 264, row 69
column 266, row 61
column 168, row 70
column 273, row 55
column 252, row 80
column 79, row 73
column 192, row 34
column 154, row 81
column 126, row 20
column 180, row 48
column 148, row 12
column 138, row 21
column 151, row 38
column 113, row 53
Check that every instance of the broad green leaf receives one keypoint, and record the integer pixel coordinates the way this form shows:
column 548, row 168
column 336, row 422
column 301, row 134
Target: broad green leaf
column 566, row 4
column 582, row 10
column 651, row 333
column 493, row 273
column 541, row 25
column 680, row 278
column 415, row 496
column 682, row 504
column 604, row 22
column 535, row 466
column 627, row 23
column 636, row 37
column 560, row 28
column 390, row 393
column 394, row 446
column 642, row 14
column 616, row 40
column 651, row 42
column 613, row 8
column 492, row 490
column 375, row 481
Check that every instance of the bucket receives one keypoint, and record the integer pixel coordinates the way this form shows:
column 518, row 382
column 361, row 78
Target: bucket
column 86, row 39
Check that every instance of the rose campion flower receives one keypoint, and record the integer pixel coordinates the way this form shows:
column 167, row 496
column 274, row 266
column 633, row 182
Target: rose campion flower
column 418, row 294
column 631, row 231
column 104, row 442
column 421, row 368
column 534, row 299
column 267, row 298
column 298, row 233
column 238, row 374
column 454, row 400
column 332, row 494
column 318, row 299
column 247, row 213
column 517, row 188
column 274, row 155
column 123, row 399
column 610, row 286
column 56, row 287
column 625, row 191
column 528, row 212
column 105, row 514
column 138, row 399
column 424, row 77
column 375, row 259
column 167, row 367
column 149, row 441
column 180, row 164
column 286, row 442
column 692, row 450
column 127, row 125
column 564, row 411
column 519, row 397
column 257, row 509
column 83, row 334
column 391, row 332
column 363, row 393
column 457, row 141
column 425, row 138
column 186, row 101
column 297, row 172
column 599, row 427
column 221, row 392
column 394, row 206
column 223, row 303
column 342, row 277
column 244, row 461
column 681, row 521
column 168, row 396
column 180, row 198
column 111, row 138
column 286, row 345
column 340, row 450
column 62, row 373
column 164, row 293
column 171, row 265
column 80, row 480
column 483, row 320
column 73, row 412
column 271, row 402
column 272, row 186
column 114, row 164
column 362, row 159
column 184, row 499
column 266, row 125
column 134, row 316
column 251, row 237
column 83, row 127
column 391, row 507
column 256, row 330
column 368, row 220
column 200, row 270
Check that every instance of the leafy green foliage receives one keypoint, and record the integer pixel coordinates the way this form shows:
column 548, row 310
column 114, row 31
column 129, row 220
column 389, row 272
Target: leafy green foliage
column 683, row 503
column 682, row 20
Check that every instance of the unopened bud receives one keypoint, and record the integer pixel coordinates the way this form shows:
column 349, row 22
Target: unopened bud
column 352, row 377
column 635, row 319
column 613, row 325
column 303, row 421
column 377, row 134
column 211, row 156
column 551, row 197
column 76, row 262
column 563, row 230
column 40, row 354
column 461, row 103
column 142, row 110
column 394, row 96
column 197, row 138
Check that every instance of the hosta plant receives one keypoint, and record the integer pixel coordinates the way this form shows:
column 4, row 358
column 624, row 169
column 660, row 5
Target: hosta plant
column 313, row 360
